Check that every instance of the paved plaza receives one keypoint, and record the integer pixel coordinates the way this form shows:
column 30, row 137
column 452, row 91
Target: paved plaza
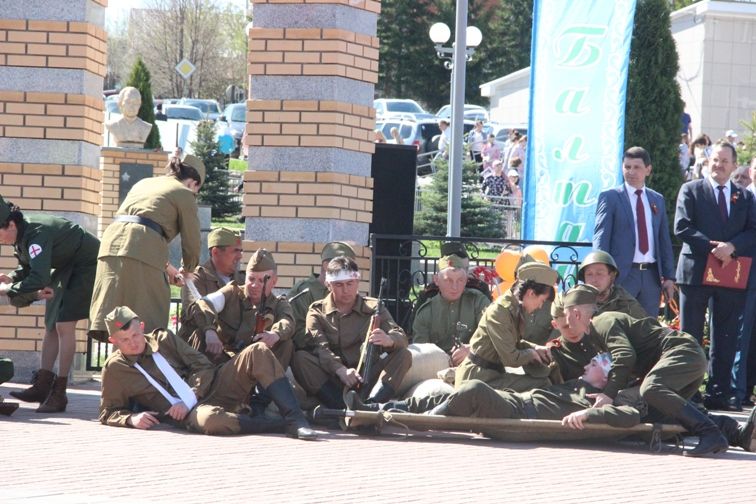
column 71, row 458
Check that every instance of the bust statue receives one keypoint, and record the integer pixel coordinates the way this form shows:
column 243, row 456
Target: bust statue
column 129, row 130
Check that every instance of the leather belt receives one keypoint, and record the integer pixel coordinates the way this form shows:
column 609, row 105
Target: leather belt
column 644, row 266
column 481, row 362
column 144, row 221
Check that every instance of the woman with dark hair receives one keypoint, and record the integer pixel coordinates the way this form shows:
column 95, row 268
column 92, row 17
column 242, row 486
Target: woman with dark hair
column 498, row 341
column 131, row 270
column 56, row 262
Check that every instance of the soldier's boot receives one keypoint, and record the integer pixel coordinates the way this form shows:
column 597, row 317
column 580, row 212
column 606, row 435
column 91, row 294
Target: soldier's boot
column 330, row 396
column 736, row 434
column 384, row 393
column 7, row 408
column 710, row 438
column 56, row 402
column 42, row 382
column 354, row 403
column 259, row 401
column 297, row 426
column 261, row 424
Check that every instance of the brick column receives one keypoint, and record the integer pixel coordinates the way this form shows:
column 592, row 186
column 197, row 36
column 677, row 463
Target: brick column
column 52, row 63
column 312, row 67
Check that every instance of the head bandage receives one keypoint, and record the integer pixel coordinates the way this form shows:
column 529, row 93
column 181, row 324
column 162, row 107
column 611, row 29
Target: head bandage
column 604, row 361
column 342, row 276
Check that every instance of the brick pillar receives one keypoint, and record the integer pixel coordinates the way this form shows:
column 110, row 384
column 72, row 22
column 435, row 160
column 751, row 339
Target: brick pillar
column 52, row 63
column 312, row 67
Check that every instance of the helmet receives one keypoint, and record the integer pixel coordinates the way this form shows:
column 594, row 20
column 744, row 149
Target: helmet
column 597, row 257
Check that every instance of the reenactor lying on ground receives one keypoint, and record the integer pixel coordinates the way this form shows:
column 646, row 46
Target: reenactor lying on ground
column 337, row 327
column 169, row 381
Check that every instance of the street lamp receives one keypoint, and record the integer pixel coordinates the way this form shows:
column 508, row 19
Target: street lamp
column 462, row 50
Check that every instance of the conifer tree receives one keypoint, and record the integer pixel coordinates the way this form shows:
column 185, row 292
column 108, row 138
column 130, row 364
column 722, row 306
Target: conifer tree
column 215, row 190
column 140, row 79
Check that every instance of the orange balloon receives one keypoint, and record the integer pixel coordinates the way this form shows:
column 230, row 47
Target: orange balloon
column 506, row 263
column 500, row 288
column 538, row 253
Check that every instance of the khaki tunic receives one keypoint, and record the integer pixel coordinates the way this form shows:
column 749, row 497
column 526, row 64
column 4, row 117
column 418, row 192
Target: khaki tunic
column 334, row 342
column 498, row 341
column 620, row 300
column 235, row 323
column 436, row 319
column 669, row 363
column 132, row 258
column 538, row 328
column 220, row 390
column 301, row 305
column 207, row 280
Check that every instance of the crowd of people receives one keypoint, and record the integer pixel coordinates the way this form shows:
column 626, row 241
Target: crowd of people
column 595, row 353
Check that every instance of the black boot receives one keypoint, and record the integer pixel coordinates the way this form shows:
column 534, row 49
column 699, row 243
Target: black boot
column 384, row 394
column 736, row 434
column 282, row 394
column 710, row 439
column 42, row 384
column 261, row 424
column 330, row 396
column 258, row 401
column 354, row 403
column 7, row 408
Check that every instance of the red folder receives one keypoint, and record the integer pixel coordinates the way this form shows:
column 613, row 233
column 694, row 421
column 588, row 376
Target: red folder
column 733, row 276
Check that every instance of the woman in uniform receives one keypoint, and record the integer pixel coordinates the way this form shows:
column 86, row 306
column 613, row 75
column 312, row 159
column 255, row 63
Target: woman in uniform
column 131, row 266
column 57, row 262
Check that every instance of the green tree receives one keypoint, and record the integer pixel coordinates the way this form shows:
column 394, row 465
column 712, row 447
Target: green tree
column 215, row 190
column 653, row 107
column 479, row 219
column 140, row 79
column 748, row 152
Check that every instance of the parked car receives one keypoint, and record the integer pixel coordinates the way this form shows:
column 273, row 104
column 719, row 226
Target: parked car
column 407, row 109
column 472, row 113
column 501, row 131
column 185, row 112
column 422, row 133
column 235, row 118
column 210, row 108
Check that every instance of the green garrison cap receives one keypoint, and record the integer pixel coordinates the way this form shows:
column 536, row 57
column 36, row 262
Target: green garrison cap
column 261, row 260
column 118, row 318
column 223, row 237
column 337, row 249
column 195, row 163
column 4, row 210
column 557, row 307
column 456, row 248
column 537, row 272
column 452, row 261
column 580, row 295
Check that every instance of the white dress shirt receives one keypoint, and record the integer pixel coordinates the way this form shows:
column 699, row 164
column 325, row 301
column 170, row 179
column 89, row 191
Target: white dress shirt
column 639, row 257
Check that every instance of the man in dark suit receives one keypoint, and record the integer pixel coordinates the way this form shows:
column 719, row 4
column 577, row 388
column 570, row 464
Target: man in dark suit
column 714, row 216
column 644, row 255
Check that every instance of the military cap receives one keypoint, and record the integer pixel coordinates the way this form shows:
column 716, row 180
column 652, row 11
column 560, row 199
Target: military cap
column 5, row 210
column 525, row 259
column 223, row 237
column 336, row 249
column 452, row 261
column 557, row 307
column 537, row 272
column 118, row 318
column 580, row 295
column 195, row 163
column 261, row 260
column 456, row 248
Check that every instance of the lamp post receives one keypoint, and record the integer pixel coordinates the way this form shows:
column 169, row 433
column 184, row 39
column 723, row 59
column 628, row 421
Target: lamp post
column 466, row 40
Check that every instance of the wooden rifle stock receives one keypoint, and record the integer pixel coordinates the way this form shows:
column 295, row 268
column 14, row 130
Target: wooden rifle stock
column 260, row 321
column 367, row 360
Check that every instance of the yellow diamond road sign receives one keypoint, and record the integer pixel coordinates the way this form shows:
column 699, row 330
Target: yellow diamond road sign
column 185, row 68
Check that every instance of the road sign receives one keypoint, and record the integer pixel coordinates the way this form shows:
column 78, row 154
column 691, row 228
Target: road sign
column 185, row 68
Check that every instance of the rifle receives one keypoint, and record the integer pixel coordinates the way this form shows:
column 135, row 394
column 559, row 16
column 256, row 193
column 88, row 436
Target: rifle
column 457, row 337
column 260, row 320
column 367, row 357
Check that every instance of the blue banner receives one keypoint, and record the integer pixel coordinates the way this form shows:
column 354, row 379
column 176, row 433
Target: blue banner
column 578, row 79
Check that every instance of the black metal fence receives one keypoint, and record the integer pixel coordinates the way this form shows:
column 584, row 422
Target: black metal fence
column 409, row 263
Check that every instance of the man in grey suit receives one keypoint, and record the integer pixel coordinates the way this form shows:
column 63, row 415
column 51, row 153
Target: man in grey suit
column 631, row 225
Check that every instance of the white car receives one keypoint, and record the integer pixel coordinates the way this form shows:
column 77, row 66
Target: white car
column 393, row 107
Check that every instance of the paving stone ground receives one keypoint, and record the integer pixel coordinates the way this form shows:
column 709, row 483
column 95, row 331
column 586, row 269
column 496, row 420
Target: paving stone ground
column 71, row 458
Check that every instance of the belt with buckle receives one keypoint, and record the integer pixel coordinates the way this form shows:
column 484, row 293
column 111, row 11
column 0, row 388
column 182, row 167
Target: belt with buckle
column 484, row 363
column 144, row 221
column 644, row 266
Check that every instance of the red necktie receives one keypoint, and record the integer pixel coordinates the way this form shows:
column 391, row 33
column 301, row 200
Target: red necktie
column 640, row 212
column 722, row 203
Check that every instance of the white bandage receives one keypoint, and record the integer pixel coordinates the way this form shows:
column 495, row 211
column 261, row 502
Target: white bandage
column 342, row 276
column 217, row 300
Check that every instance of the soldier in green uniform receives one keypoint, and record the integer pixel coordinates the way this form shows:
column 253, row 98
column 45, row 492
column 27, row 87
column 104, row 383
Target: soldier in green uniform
column 57, row 261
column 437, row 318
column 599, row 270
column 170, row 381
column 223, row 322
column 336, row 329
column 498, row 342
column 311, row 289
column 669, row 363
column 222, row 267
column 134, row 251
column 538, row 328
